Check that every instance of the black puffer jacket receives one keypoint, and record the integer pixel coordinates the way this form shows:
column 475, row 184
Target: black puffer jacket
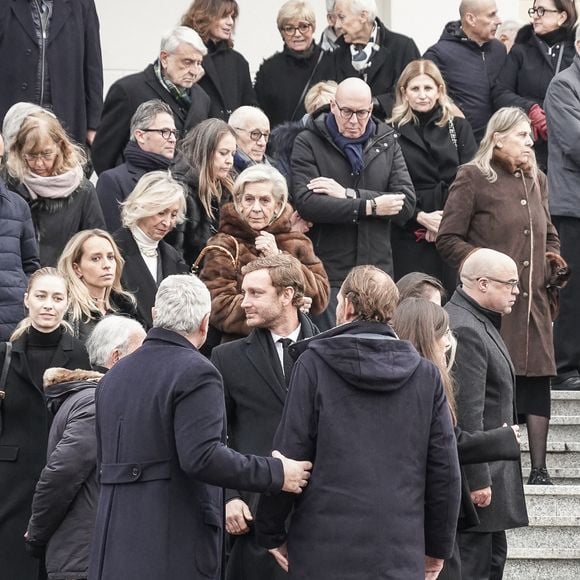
column 18, row 258
column 65, row 500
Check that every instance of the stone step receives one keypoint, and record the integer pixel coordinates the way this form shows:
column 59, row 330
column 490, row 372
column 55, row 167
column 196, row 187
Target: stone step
column 553, row 501
column 565, row 403
column 553, row 564
column 544, row 533
column 560, row 454
column 559, row 475
column 562, row 428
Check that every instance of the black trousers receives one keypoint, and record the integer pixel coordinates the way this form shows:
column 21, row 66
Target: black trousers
column 567, row 325
column 482, row 555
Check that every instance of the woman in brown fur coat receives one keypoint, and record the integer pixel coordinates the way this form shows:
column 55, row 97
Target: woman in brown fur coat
column 259, row 223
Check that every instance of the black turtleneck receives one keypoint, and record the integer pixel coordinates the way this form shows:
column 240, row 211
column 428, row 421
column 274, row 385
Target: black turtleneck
column 555, row 36
column 40, row 349
column 494, row 317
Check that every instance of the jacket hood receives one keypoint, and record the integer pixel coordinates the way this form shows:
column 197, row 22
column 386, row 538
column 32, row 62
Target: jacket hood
column 282, row 138
column 367, row 355
column 59, row 383
column 453, row 31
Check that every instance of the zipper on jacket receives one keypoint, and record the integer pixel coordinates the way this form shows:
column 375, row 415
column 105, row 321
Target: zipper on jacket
column 42, row 50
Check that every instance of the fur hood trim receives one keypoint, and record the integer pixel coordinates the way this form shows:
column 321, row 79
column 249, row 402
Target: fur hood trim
column 56, row 376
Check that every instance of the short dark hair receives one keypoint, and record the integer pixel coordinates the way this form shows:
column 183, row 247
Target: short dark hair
column 569, row 7
column 285, row 272
column 416, row 285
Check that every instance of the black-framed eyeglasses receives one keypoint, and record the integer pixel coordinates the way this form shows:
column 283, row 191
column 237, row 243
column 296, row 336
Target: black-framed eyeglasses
column 540, row 11
column 255, row 134
column 347, row 113
column 165, row 133
column 290, row 30
column 513, row 284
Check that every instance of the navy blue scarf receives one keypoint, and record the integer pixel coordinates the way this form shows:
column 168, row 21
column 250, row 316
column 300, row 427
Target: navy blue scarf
column 352, row 148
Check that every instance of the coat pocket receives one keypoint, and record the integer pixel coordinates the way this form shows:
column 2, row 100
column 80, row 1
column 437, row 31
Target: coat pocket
column 208, row 560
column 9, row 452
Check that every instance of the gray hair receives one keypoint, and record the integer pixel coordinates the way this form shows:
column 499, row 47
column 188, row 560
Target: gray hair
column 330, row 6
column 244, row 114
column 14, row 118
column 262, row 173
column 154, row 192
column 182, row 35
column 509, row 28
column 145, row 114
column 368, row 6
column 111, row 333
column 181, row 303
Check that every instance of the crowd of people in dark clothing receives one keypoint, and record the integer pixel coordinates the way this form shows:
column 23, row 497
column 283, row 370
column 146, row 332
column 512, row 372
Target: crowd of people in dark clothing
column 347, row 151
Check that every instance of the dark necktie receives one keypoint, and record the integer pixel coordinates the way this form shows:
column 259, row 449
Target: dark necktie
column 287, row 359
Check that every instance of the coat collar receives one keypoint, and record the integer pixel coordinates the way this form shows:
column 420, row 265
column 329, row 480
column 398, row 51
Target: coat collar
column 169, row 336
column 164, row 94
column 60, row 14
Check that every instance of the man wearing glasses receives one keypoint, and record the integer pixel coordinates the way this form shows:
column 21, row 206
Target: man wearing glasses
column 485, row 379
column 172, row 78
column 252, row 127
column 350, row 179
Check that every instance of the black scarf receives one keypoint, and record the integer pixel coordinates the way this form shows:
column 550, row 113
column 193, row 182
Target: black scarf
column 352, row 148
column 145, row 159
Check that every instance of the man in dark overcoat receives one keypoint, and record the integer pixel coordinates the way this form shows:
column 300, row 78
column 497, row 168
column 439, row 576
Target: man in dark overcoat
column 485, row 400
column 161, row 452
column 384, row 495
column 172, row 78
column 255, row 383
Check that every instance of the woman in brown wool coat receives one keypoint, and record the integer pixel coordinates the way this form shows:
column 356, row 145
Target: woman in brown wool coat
column 259, row 223
column 500, row 201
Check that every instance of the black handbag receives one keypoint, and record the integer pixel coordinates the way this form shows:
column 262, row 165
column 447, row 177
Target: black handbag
column 3, row 377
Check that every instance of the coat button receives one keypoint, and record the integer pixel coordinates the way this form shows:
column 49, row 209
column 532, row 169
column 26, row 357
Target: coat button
column 524, row 202
column 517, row 174
column 24, row 86
column 525, row 294
column 526, row 263
column 135, row 472
column 28, row 51
column 526, row 232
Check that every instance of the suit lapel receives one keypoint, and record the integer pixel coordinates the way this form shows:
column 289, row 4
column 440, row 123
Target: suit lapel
column 19, row 363
column 63, row 351
column 60, row 14
column 409, row 133
column 22, row 12
column 378, row 58
column 212, row 75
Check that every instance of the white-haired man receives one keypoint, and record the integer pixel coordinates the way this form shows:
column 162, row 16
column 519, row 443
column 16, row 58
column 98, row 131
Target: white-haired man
column 253, row 129
column 171, row 78
column 163, row 460
column 331, row 34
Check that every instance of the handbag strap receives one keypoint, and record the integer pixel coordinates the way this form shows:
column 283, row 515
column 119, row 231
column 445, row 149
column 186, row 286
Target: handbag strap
column 307, row 85
column 232, row 257
column 5, row 367
column 452, row 133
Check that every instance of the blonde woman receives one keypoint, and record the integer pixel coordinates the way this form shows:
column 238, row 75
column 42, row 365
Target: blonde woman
column 93, row 265
column 45, row 168
column 42, row 340
column 149, row 214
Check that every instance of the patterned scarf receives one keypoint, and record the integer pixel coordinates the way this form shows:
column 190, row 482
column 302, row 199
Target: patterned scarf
column 181, row 95
column 352, row 148
column 361, row 54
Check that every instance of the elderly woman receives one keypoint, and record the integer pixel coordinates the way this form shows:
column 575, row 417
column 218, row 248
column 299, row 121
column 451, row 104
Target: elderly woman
column 284, row 79
column 542, row 49
column 434, row 144
column 92, row 264
column 150, row 212
column 500, row 201
column 227, row 73
column 45, row 168
column 258, row 223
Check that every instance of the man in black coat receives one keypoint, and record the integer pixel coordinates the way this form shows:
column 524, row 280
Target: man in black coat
column 485, row 400
column 383, row 498
column 171, row 78
column 50, row 54
column 255, row 383
column 162, row 455
column 350, row 179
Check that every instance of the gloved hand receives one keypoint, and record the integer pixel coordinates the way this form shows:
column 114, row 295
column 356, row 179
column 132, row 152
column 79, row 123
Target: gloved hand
column 538, row 119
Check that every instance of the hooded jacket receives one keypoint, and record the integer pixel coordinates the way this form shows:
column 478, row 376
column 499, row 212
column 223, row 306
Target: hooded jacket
column 470, row 71
column 371, row 414
column 65, row 500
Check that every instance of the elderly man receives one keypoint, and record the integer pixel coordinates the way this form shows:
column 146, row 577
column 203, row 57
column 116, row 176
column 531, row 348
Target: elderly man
column 161, row 431
column 562, row 105
column 65, row 500
column 331, row 34
column 253, row 129
column 368, row 50
column 151, row 148
column 470, row 58
column 485, row 400
column 350, row 179
column 171, row 78
column 256, row 372
column 383, row 499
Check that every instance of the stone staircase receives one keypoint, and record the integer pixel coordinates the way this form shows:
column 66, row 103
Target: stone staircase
column 549, row 549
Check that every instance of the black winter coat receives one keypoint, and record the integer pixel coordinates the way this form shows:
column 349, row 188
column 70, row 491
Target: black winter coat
column 527, row 72
column 73, row 59
column 122, row 100
column 280, row 82
column 226, row 80
column 343, row 235
column 56, row 221
column 66, row 495
column 372, row 416
column 18, row 258
column 23, row 444
column 470, row 72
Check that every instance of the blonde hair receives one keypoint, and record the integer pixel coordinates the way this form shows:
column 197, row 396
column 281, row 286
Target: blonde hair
column 402, row 111
column 154, row 192
column 501, row 123
column 295, row 9
column 25, row 324
column 37, row 125
column 82, row 305
column 318, row 95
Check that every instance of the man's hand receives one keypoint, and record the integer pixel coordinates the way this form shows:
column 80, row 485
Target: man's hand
column 296, row 473
column 327, row 186
column 306, row 305
column 281, row 555
column 237, row 515
column 481, row 497
column 387, row 204
column 298, row 224
column 430, row 220
column 266, row 244
column 433, row 567
column 516, row 430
